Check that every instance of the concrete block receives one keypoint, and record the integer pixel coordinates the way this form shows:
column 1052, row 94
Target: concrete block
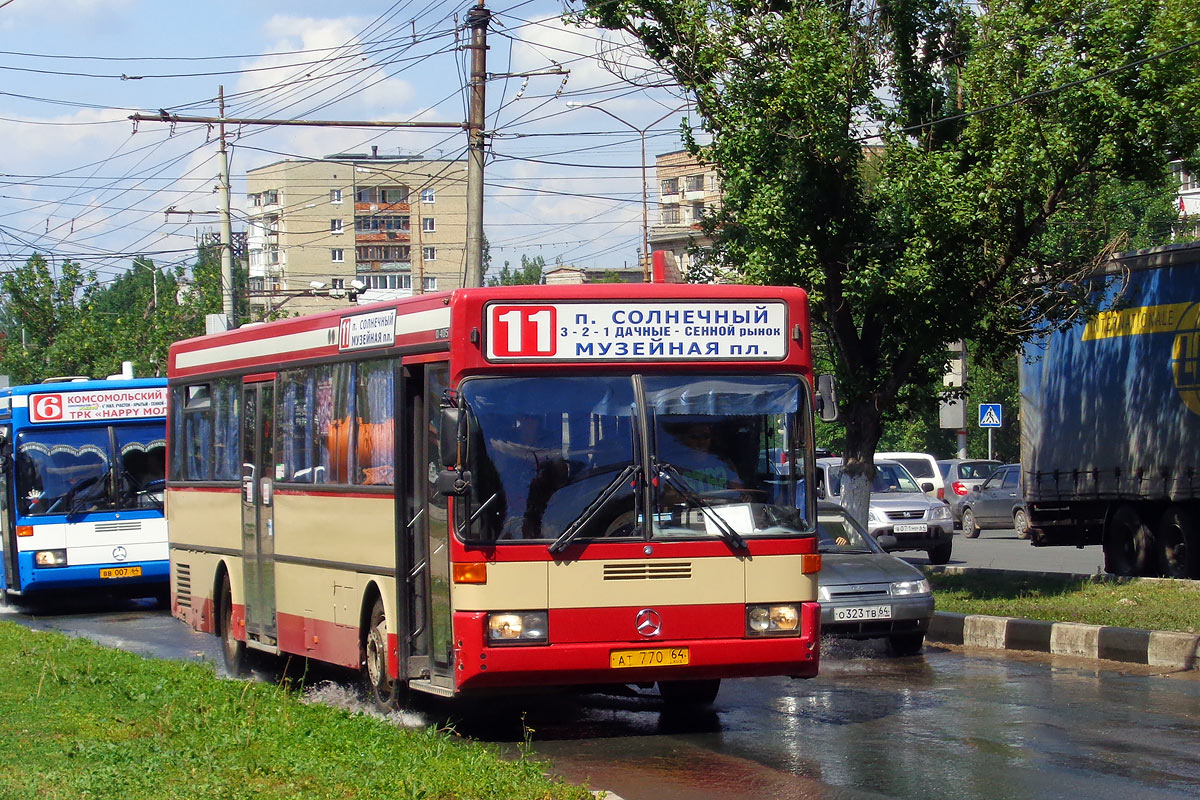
column 984, row 631
column 1075, row 639
column 1173, row 650
column 1123, row 644
column 946, row 627
column 1028, row 634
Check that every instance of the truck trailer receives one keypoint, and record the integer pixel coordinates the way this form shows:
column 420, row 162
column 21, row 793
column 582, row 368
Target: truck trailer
column 1110, row 419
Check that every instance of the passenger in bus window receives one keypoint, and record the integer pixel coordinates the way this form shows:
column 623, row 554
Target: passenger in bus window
column 690, row 448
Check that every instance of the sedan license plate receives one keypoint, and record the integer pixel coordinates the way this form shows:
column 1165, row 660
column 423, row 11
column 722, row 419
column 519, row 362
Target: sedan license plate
column 912, row 527
column 655, row 657
column 121, row 572
column 856, row 613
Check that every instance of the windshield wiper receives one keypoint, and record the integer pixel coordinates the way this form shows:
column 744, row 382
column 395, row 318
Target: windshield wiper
column 589, row 513
column 732, row 537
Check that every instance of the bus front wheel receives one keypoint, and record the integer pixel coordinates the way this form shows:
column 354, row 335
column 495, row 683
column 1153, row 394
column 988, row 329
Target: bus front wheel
column 382, row 692
column 689, row 693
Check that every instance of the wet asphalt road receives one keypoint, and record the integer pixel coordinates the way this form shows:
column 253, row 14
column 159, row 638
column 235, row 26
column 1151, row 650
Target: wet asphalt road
column 944, row 724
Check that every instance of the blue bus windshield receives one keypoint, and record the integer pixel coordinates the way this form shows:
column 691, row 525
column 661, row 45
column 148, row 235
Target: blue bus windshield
column 75, row 470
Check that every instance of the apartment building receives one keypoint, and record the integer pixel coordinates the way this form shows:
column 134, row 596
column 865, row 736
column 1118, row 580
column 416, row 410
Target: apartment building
column 686, row 190
column 397, row 224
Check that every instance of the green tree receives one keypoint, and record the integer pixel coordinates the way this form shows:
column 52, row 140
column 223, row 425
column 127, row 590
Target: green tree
column 48, row 332
column 915, row 163
column 529, row 273
column 68, row 324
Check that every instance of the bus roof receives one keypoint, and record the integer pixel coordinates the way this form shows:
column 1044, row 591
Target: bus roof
column 460, row 320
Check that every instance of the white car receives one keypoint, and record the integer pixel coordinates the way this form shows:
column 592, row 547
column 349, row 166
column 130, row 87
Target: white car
column 924, row 468
column 898, row 508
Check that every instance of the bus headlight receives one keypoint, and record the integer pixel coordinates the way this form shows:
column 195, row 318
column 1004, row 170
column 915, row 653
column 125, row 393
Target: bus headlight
column 768, row 620
column 518, row 627
column 50, row 558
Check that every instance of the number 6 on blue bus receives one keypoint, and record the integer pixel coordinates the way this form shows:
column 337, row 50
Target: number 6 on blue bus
column 82, row 473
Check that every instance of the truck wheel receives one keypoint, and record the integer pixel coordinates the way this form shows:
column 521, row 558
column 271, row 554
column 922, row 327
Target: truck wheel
column 940, row 553
column 382, row 692
column 969, row 526
column 1127, row 544
column 1178, row 542
column 1021, row 523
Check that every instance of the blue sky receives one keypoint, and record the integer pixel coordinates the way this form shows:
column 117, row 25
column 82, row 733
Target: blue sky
column 77, row 181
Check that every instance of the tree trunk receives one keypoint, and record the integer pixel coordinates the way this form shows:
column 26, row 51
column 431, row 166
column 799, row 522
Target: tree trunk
column 863, row 428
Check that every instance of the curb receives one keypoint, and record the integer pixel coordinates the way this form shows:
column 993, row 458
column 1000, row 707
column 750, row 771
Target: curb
column 1168, row 649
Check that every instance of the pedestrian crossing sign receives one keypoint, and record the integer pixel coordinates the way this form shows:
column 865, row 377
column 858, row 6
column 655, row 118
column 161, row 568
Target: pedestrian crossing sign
column 990, row 415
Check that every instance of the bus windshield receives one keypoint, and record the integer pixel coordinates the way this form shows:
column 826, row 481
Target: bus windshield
column 568, row 458
column 74, row 470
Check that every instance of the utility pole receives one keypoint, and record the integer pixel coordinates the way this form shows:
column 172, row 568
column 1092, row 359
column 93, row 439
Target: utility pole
column 477, row 20
column 226, row 224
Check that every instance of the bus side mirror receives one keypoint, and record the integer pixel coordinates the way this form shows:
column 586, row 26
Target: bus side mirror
column 827, row 406
column 448, row 436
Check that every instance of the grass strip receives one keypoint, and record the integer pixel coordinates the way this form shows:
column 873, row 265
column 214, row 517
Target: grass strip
column 82, row 721
column 1137, row 603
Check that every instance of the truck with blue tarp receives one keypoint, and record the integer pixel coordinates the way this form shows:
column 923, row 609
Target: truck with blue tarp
column 1110, row 419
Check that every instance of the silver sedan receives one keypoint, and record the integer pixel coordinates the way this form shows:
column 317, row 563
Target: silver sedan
column 865, row 592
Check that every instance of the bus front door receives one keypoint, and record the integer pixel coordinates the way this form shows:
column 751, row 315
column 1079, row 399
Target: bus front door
column 426, row 537
column 258, row 518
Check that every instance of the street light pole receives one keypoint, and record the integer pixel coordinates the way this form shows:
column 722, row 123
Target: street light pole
column 641, row 132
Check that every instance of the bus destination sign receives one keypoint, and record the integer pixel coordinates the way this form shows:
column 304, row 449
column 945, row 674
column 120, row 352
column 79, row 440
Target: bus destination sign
column 637, row 331
column 100, row 404
column 365, row 331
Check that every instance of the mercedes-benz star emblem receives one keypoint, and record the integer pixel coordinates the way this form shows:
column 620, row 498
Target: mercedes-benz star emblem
column 119, row 553
column 648, row 622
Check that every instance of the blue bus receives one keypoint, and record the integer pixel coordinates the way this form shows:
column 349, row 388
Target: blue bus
column 82, row 472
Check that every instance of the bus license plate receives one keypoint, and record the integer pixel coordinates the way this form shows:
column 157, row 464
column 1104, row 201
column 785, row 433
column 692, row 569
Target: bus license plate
column 914, row 527
column 121, row 572
column 656, row 657
column 854, row 613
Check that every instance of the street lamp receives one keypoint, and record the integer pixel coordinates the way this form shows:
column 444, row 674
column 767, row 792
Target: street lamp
column 641, row 132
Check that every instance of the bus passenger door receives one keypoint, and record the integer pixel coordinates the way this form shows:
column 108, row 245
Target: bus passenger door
column 426, row 533
column 258, row 523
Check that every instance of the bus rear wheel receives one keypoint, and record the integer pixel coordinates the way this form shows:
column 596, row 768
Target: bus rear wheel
column 689, row 693
column 233, row 650
column 382, row 692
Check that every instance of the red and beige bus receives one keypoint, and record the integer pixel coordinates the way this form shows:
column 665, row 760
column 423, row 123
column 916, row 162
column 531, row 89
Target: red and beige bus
column 488, row 489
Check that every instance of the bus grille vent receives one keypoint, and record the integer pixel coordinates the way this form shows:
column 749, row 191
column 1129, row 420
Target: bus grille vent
column 649, row 571
column 183, row 585
column 119, row 526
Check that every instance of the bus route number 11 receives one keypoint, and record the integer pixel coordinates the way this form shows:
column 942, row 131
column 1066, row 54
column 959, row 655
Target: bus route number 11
column 523, row 331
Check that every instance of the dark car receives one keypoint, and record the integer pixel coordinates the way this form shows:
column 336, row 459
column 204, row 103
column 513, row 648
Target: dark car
column 866, row 592
column 998, row 502
column 961, row 475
